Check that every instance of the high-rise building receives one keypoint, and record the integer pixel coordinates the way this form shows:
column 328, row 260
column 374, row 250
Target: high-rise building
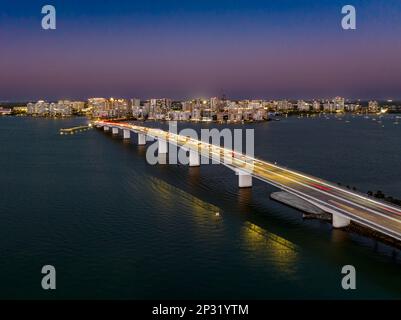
column 255, row 104
column 109, row 108
column 137, row 110
column 159, row 108
column 61, row 108
column 40, row 108
column 373, row 106
column 78, row 106
column 187, row 106
column 339, row 104
column 98, row 107
column 284, row 105
column 215, row 104
column 316, row 106
column 302, row 106
column 328, row 106
column 119, row 108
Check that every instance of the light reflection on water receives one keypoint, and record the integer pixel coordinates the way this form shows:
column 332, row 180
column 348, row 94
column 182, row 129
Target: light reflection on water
column 281, row 252
column 119, row 228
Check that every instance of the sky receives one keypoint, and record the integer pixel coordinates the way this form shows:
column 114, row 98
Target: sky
column 271, row 49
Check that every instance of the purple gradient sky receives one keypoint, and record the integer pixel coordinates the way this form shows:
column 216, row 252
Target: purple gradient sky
column 246, row 49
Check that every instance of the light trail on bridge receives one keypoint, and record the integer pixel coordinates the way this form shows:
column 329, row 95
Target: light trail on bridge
column 340, row 202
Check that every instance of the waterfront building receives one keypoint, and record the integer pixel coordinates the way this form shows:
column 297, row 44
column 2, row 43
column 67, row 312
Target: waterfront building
column 40, row 108
column 159, row 108
column 352, row 107
column 328, row 106
column 284, row 106
column 5, row 111
column 196, row 114
column 187, row 106
column 20, row 110
column 207, row 114
column 78, row 106
column 235, row 114
column 119, row 108
column 394, row 108
column 339, row 104
column 373, row 106
column 98, row 107
column 260, row 114
column 302, row 106
column 135, row 102
column 136, row 108
column 215, row 104
column 146, row 109
column 316, row 106
column 61, row 109
column 109, row 108
column 255, row 104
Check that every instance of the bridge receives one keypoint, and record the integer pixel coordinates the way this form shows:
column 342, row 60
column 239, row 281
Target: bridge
column 344, row 205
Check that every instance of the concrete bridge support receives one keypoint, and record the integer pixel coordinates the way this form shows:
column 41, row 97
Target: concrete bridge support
column 106, row 129
column 115, row 131
column 194, row 158
column 127, row 134
column 244, row 179
column 141, row 139
column 340, row 221
column 163, row 146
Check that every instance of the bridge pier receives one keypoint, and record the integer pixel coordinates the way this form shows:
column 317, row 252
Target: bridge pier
column 114, row 131
column 127, row 134
column 244, row 179
column 340, row 221
column 163, row 146
column 194, row 158
column 141, row 139
column 106, row 128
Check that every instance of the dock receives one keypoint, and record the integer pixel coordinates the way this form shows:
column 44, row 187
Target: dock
column 75, row 129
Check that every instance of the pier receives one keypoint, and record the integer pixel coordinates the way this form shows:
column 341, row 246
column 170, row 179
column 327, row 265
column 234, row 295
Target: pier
column 75, row 129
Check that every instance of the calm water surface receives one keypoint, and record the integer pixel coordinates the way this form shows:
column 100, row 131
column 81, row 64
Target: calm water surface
column 116, row 227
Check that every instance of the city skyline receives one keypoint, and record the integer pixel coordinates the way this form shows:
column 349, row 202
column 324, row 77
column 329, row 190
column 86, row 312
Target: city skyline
column 211, row 109
column 276, row 49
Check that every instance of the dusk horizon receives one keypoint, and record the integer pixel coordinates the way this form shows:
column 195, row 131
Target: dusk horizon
column 188, row 98
column 243, row 49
